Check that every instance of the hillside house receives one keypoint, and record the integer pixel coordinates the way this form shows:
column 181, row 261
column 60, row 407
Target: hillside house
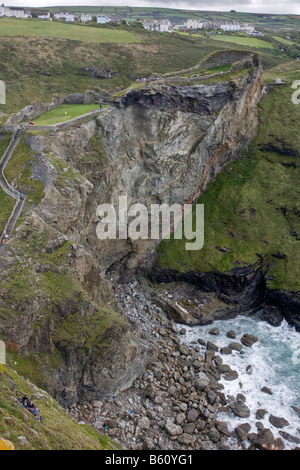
column 85, row 17
column 5, row 11
column 248, row 28
column 42, row 14
column 68, row 17
column 15, row 12
column 230, row 26
column 161, row 25
column 61, row 15
column 116, row 19
column 102, row 19
column 194, row 24
column 20, row 12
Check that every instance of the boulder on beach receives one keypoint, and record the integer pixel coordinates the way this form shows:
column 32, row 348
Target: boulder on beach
column 202, row 381
column 278, row 422
column 214, row 331
column 248, row 340
column 242, row 431
column 240, row 409
column 172, row 428
column 264, row 440
column 236, row 346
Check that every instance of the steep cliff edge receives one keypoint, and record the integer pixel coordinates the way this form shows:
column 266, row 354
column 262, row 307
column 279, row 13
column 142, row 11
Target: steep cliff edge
column 160, row 143
column 252, row 229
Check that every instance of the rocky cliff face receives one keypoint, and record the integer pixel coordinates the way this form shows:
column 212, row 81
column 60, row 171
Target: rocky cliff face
column 159, row 144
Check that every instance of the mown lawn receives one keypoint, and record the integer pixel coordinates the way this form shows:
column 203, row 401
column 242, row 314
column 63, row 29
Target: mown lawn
column 65, row 113
column 40, row 28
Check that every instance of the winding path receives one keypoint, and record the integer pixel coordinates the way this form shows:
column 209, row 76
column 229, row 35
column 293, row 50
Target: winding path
column 10, row 190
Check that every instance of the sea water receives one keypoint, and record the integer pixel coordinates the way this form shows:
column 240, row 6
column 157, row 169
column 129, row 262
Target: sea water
column 274, row 363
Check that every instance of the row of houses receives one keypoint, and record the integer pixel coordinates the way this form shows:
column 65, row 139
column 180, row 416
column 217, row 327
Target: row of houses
column 164, row 24
column 85, row 17
column 17, row 12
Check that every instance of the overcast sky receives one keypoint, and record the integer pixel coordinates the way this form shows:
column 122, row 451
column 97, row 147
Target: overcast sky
column 253, row 6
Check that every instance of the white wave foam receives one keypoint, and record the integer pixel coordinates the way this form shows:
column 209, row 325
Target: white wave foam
column 273, row 362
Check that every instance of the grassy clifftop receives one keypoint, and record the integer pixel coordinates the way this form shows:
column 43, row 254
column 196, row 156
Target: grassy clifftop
column 252, row 208
column 34, row 65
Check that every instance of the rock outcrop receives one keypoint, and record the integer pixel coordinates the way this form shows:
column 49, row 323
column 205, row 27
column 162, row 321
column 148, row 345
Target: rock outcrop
column 158, row 144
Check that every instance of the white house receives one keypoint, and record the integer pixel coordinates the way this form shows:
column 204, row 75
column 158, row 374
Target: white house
column 42, row 14
column 192, row 23
column 70, row 18
column 5, row 11
column 19, row 12
column 248, row 28
column 60, row 15
column 14, row 12
column 230, row 26
column 85, row 17
column 102, row 19
column 162, row 25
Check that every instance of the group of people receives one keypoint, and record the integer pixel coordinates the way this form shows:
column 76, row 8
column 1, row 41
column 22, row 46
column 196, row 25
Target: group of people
column 30, row 406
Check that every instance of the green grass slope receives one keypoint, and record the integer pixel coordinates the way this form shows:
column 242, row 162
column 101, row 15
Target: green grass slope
column 40, row 28
column 252, row 208
column 55, row 431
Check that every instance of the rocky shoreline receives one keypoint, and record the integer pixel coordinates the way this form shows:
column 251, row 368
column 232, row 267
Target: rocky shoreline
column 177, row 403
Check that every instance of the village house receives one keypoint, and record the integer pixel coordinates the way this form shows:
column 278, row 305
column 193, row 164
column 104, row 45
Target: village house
column 248, row 28
column 60, row 15
column 15, row 12
column 68, row 17
column 85, row 17
column 116, row 19
column 230, row 26
column 102, row 19
column 5, row 11
column 42, row 14
column 161, row 25
column 224, row 25
column 194, row 24
column 20, row 12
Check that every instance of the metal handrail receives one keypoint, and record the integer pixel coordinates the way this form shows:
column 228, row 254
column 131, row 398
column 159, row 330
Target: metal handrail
column 9, row 188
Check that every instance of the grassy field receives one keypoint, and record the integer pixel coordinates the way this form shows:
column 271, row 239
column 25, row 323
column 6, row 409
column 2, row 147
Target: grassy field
column 57, row 115
column 244, row 41
column 252, row 208
column 39, row 67
column 40, row 28
column 283, row 40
